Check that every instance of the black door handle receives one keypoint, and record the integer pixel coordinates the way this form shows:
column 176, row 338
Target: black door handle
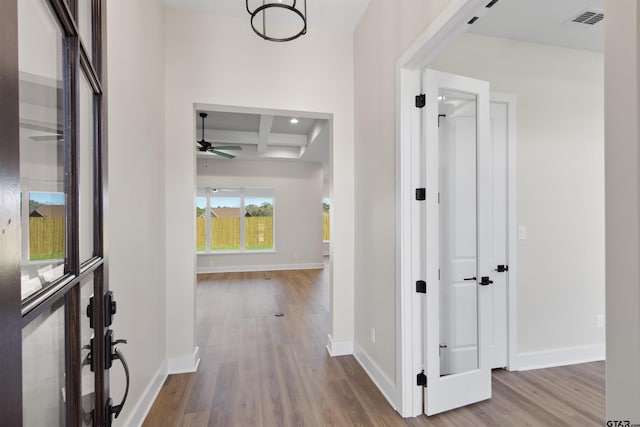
column 114, row 410
column 484, row 281
column 469, row 278
column 501, row 268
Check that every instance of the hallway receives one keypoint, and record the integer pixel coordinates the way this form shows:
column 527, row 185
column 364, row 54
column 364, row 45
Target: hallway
column 257, row 369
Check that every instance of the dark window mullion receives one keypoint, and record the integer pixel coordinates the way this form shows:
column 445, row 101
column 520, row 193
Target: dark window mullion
column 90, row 72
column 65, row 16
column 73, row 367
column 71, row 112
column 101, row 282
column 10, row 243
column 96, row 22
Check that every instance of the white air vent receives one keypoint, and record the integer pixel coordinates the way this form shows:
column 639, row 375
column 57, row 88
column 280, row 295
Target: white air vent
column 589, row 17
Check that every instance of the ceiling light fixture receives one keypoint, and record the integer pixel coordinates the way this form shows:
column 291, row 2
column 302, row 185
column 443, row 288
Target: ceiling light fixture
column 293, row 121
column 278, row 7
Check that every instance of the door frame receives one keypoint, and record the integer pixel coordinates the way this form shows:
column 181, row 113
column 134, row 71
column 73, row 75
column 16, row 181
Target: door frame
column 78, row 64
column 443, row 31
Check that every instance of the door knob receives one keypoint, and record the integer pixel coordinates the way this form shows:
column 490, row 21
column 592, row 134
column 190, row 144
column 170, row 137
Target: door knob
column 484, row 281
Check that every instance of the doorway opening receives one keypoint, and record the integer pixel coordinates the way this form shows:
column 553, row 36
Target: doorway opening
column 433, row 50
column 263, row 190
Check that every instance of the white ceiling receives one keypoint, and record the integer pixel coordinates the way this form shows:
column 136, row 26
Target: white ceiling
column 543, row 21
column 326, row 15
column 268, row 136
column 265, row 136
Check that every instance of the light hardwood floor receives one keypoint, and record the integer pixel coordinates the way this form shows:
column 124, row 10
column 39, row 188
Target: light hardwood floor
column 261, row 370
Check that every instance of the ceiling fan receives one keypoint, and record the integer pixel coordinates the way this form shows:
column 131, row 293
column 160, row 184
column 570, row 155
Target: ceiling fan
column 208, row 147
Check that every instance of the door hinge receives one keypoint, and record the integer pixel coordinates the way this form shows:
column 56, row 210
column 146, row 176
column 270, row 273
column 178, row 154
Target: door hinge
column 421, row 379
column 421, row 287
column 421, row 193
column 421, row 100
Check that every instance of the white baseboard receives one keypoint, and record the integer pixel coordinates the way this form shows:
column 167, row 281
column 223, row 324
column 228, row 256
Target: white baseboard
column 142, row 407
column 275, row 267
column 185, row 363
column 558, row 357
column 384, row 384
column 339, row 348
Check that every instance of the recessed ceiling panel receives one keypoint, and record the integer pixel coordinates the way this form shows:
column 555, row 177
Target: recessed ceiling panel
column 231, row 121
column 283, row 125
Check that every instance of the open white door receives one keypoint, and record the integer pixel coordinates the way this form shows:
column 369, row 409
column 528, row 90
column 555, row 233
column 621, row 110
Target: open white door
column 458, row 241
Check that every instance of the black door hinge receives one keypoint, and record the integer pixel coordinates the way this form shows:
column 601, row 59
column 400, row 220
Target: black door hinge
column 421, row 193
column 421, row 100
column 421, row 287
column 422, row 379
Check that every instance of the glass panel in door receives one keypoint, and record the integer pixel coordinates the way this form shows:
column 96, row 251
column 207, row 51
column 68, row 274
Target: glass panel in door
column 458, row 253
column 87, row 388
column 41, row 146
column 86, row 170
column 43, row 369
column 85, row 24
column 456, row 122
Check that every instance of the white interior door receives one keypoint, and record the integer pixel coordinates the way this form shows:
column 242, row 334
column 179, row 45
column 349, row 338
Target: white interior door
column 458, row 241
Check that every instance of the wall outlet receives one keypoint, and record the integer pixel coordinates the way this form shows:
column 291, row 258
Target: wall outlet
column 600, row 321
column 372, row 334
column 522, row 232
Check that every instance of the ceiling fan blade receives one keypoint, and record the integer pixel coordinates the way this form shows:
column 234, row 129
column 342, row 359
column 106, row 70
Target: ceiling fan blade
column 221, row 154
column 227, row 147
column 47, row 138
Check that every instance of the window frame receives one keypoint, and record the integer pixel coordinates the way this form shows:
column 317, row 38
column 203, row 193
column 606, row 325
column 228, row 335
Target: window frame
column 241, row 193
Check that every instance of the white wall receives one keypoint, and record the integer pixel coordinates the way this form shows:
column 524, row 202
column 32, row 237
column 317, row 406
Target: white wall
column 135, row 215
column 560, row 183
column 622, row 136
column 297, row 188
column 385, row 31
column 219, row 60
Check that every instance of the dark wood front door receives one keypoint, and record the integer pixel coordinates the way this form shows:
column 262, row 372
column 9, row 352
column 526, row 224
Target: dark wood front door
column 54, row 313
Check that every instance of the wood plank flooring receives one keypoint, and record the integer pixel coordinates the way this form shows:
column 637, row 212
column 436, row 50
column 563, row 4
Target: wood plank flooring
column 261, row 370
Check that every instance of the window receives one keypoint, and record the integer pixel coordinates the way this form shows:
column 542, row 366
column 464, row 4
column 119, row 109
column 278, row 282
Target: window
column 326, row 208
column 234, row 220
column 46, row 226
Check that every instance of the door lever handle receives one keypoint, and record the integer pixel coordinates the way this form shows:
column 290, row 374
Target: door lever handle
column 470, row 278
column 485, row 281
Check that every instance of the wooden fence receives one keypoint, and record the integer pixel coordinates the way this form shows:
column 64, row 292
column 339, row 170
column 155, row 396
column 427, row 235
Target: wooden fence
column 46, row 238
column 225, row 233
column 325, row 228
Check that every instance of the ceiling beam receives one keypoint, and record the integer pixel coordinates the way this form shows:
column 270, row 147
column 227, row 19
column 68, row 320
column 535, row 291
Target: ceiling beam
column 242, row 137
column 264, row 132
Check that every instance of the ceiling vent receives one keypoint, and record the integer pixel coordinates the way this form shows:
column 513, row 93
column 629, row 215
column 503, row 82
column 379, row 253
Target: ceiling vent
column 589, row 17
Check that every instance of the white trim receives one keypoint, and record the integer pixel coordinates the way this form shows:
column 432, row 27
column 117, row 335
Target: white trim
column 558, row 357
column 238, row 252
column 185, row 363
column 440, row 33
column 384, row 384
column 274, row 267
column 512, row 227
column 408, row 304
column 143, row 406
column 339, row 348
